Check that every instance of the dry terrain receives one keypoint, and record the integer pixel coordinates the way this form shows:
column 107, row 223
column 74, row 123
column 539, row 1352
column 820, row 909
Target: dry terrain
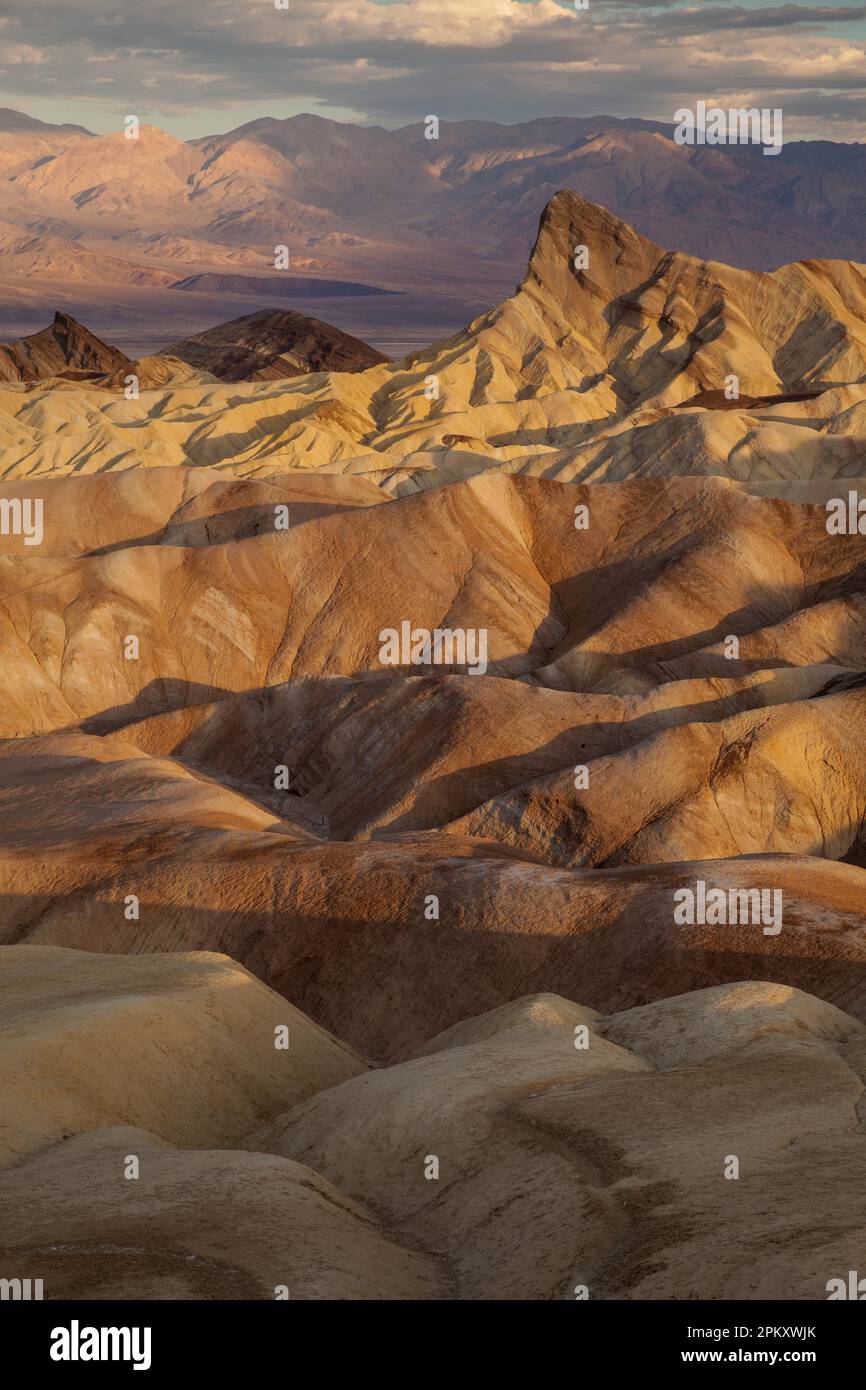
column 375, row 960
column 150, row 239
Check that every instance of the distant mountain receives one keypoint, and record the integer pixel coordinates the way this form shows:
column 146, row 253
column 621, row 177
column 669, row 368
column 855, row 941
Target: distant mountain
column 272, row 344
column 450, row 220
column 274, row 286
column 641, row 363
column 11, row 121
column 65, row 347
column 265, row 346
column 28, row 256
column 343, row 192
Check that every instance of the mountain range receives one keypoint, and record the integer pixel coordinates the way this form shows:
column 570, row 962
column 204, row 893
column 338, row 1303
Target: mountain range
column 271, row 345
column 123, row 229
column 643, row 363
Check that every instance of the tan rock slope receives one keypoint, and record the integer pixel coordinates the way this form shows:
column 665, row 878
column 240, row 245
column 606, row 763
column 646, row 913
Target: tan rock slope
column 324, row 921
column 155, row 1060
column 203, row 1224
column 220, row 766
column 541, row 1150
column 594, row 1165
column 283, row 594
column 183, row 1045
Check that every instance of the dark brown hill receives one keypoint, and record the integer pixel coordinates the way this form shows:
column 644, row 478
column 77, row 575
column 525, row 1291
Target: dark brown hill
column 274, row 343
column 66, row 346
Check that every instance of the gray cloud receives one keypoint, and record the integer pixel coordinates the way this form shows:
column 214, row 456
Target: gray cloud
column 491, row 59
column 716, row 19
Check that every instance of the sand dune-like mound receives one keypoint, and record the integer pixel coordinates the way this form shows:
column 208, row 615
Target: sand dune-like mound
column 444, row 746
column 210, row 1224
column 687, row 566
column 151, row 373
column 184, row 1045
column 452, row 924
column 502, row 760
column 583, row 1155
column 542, row 1150
column 102, row 512
column 751, row 784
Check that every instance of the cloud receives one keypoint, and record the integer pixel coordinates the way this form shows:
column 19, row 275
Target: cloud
column 715, row 19
column 505, row 60
column 16, row 54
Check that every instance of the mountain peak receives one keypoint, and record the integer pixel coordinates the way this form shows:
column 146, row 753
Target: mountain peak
column 273, row 344
column 570, row 221
column 65, row 346
column 582, row 250
column 14, row 122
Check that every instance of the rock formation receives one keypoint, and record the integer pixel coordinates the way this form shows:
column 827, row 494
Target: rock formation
column 498, row 713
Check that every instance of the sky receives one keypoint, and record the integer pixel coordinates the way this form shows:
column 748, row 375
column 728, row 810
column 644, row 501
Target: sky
column 198, row 67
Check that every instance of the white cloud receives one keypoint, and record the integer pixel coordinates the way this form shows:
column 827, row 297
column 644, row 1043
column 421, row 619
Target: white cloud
column 14, row 54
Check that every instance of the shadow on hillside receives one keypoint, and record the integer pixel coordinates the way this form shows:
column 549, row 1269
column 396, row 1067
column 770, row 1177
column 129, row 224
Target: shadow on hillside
column 159, row 696
column 594, row 598
column 239, row 524
column 386, row 982
column 454, row 794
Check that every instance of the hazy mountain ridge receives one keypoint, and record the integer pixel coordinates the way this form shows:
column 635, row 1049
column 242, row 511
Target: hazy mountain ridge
column 451, row 218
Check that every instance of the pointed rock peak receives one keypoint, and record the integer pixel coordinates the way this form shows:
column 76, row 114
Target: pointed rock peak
column 568, row 212
column 577, row 237
column 64, row 345
column 73, row 331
